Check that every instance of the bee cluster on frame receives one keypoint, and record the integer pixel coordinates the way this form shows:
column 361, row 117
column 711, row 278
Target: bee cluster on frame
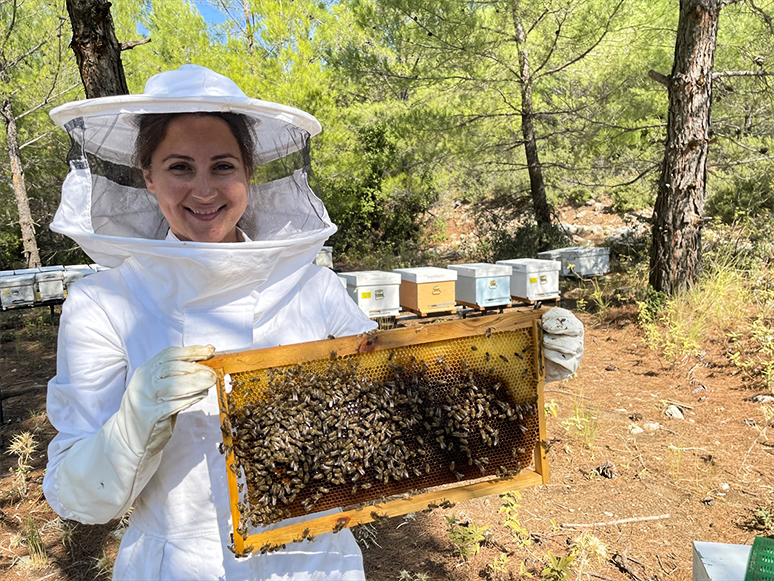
column 310, row 437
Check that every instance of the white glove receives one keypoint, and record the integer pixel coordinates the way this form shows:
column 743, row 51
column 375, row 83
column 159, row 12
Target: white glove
column 101, row 476
column 562, row 343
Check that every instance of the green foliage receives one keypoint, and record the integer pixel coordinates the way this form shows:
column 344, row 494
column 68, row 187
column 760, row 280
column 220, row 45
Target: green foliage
column 379, row 203
column 510, row 512
column 466, row 537
column 747, row 193
column 557, row 568
column 641, row 194
column 501, row 241
column 579, row 196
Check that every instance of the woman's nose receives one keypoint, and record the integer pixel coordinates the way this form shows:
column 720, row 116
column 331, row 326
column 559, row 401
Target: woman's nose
column 204, row 186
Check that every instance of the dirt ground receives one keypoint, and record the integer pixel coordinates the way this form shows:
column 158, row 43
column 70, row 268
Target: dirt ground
column 703, row 477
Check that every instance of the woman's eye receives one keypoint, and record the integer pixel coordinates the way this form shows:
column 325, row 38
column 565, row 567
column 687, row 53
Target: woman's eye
column 224, row 167
column 178, row 167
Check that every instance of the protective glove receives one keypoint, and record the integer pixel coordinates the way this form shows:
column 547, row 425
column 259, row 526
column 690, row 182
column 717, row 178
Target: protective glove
column 562, row 343
column 101, row 476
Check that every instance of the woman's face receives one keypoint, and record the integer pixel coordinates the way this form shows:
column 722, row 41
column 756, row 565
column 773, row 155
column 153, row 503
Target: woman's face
column 199, row 179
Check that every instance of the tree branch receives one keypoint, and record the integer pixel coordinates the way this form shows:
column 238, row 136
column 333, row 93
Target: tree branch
column 615, row 522
column 760, row 73
column 763, row 15
column 47, row 100
column 658, row 77
column 31, row 141
column 132, row 43
column 588, row 50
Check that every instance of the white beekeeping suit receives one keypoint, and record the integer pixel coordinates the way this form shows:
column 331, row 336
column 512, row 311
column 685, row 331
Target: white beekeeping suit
column 114, row 451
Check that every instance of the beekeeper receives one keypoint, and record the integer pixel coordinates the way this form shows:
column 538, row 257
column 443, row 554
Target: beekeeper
column 162, row 188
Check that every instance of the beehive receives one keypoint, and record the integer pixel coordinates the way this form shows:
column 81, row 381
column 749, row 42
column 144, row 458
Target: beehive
column 533, row 279
column 481, row 285
column 376, row 292
column 427, row 289
column 382, row 424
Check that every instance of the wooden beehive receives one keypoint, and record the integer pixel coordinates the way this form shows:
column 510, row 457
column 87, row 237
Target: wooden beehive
column 426, row 289
column 380, row 424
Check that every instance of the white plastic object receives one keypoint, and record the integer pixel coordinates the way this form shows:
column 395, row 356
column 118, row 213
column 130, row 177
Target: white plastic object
column 325, row 257
column 376, row 292
column 579, row 260
column 534, row 279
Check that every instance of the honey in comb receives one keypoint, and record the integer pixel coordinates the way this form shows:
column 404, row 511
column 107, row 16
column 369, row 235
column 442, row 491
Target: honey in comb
column 327, row 436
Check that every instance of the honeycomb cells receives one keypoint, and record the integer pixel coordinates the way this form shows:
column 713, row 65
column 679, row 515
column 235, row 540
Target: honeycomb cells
column 348, row 430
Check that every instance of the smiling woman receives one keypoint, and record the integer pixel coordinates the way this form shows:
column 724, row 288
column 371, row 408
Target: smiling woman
column 199, row 176
column 157, row 183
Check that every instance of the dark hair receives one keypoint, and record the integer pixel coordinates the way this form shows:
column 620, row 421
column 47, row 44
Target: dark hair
column 153, row 129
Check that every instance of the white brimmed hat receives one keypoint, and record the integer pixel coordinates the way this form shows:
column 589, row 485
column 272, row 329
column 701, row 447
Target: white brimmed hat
column 109, row 130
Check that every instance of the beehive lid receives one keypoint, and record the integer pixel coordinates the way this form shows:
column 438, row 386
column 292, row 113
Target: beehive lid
column 575, row 250
column 423, row 274
column 78, row 267
column 52, row 268
column 18, row 280
column 26, row 270
column 525, row 265
column 481, row 269
column 49, row 275
column 6, row 273
column 370, row 277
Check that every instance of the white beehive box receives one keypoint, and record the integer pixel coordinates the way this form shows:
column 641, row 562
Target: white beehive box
column 584, row 261
column 376, row 292
column 17, row 290
column 49, row 284
column 324, row 257
column 343, row 281
column 75, row 272
column 482, row 285
column 533, row 279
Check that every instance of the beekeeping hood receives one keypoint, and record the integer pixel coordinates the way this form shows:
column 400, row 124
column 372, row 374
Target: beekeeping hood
column 106, row 209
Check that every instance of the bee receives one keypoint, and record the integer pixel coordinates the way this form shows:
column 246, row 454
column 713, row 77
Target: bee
column 524, row 373
column 452, row 466
column 331, row 337
column 504, row 358
column 519, row 355
column 473, row 348
column 487, row 355
column 391, row 355
column 334, row 355
column 340, row 524
column 378, row 517
column 489, row 332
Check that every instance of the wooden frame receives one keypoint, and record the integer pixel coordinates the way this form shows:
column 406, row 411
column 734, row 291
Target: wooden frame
column 376, row 341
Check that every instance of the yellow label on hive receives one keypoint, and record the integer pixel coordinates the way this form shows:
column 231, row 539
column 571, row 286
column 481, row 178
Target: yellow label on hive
column 532, row 280
column 366, row 295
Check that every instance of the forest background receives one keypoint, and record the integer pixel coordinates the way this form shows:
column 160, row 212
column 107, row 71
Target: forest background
column 421, row 103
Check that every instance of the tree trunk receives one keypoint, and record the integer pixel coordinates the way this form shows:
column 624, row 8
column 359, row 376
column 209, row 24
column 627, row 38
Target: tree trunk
column 675, row 259
column 97, row 50
column 536, row 183
column 248, row 28
column 31, row 254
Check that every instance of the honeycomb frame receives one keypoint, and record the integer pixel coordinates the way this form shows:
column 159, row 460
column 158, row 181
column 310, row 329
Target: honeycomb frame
column 468, row 338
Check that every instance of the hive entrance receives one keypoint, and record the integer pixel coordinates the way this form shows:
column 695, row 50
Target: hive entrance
column 356, row 428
